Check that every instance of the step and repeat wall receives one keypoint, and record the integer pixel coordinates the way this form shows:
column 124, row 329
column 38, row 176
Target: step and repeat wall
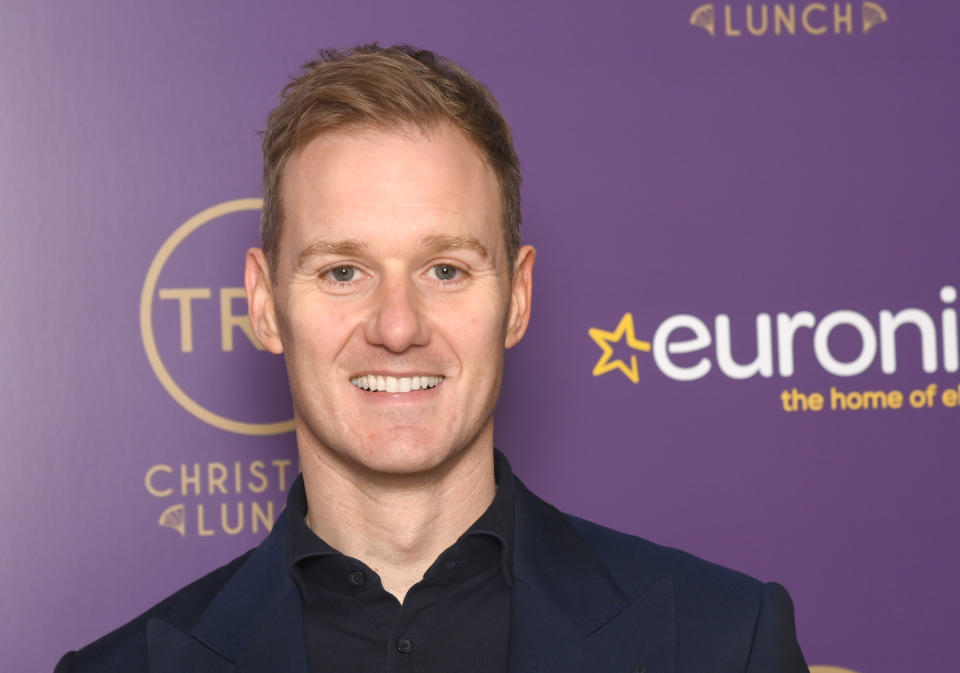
column 744, row 339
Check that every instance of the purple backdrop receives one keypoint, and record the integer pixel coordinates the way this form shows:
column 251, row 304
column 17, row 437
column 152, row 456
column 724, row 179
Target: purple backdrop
column 678, row 168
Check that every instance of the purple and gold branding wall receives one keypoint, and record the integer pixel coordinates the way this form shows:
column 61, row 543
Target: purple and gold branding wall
column 745, row 331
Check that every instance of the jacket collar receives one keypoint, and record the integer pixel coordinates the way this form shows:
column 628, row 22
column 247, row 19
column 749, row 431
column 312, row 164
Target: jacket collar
column 570, row 614
column 253, row 624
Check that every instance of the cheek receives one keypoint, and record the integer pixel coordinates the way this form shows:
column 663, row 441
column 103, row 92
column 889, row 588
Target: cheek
column 462, row 320
column 323, row 329
column 484, row 312
column 478, row 333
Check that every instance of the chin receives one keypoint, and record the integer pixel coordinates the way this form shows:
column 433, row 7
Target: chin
column 398, row 451
column 406, row 458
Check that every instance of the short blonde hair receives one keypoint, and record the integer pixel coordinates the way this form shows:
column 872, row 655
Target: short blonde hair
column 385, row 88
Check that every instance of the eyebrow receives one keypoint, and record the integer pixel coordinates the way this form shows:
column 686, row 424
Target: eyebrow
column 352, row 247
column 345, row 247
column 441, row 242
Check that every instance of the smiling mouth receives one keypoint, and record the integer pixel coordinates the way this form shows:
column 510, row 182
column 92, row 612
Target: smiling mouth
column 393, row 384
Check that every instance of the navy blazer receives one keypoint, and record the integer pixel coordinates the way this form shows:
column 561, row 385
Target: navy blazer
column 585, row 599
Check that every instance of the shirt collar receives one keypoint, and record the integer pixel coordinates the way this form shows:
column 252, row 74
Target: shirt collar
column 496, row 521
column 303, row 542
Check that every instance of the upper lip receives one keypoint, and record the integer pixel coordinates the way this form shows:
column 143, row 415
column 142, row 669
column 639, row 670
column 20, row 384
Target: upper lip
column 396, row 375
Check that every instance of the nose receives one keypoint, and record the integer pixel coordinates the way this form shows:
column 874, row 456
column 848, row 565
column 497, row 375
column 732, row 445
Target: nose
column 398, row 322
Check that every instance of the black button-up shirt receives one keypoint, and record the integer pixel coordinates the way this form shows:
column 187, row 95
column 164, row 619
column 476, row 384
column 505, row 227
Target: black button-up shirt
column 456, row 619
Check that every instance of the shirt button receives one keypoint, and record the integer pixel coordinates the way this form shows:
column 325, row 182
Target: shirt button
column 357, row 578
column 404, row 645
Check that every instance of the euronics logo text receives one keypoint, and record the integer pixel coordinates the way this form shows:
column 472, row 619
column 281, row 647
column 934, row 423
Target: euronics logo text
column 678, row 339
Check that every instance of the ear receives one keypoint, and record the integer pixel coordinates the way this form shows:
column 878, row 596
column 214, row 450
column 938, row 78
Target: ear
column 260, row 302
column 520, row 295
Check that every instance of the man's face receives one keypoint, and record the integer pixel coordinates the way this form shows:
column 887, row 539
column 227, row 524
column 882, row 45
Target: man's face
column 393, row 301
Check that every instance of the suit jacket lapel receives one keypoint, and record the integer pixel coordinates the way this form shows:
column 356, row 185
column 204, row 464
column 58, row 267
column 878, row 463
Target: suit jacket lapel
column 169, row 649
column 253, row 624
column 569, row 614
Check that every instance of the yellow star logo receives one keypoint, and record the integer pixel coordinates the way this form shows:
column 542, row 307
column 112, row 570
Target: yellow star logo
column 604, row 339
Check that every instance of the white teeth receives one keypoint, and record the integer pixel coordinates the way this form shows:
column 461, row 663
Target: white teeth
column 392, row 384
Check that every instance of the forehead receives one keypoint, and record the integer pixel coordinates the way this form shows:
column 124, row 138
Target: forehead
column 381, row 184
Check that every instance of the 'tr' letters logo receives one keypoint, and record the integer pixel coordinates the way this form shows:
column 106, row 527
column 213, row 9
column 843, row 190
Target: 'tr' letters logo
column 195, row 329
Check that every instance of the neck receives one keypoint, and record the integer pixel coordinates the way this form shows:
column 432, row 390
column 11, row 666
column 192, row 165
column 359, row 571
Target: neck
column 397, row 524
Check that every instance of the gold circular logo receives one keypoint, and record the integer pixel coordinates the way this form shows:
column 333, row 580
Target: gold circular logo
column 146, row 324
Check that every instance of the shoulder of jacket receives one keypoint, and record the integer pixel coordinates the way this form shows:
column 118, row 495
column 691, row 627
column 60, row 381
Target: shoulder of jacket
column 124, row 649
column 628, row 557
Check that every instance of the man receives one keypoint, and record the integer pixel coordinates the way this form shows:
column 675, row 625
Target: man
column 392, row 279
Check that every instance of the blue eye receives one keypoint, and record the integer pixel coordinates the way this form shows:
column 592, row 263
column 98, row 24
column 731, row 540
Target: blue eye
column 445, row 272
column 343, row 274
